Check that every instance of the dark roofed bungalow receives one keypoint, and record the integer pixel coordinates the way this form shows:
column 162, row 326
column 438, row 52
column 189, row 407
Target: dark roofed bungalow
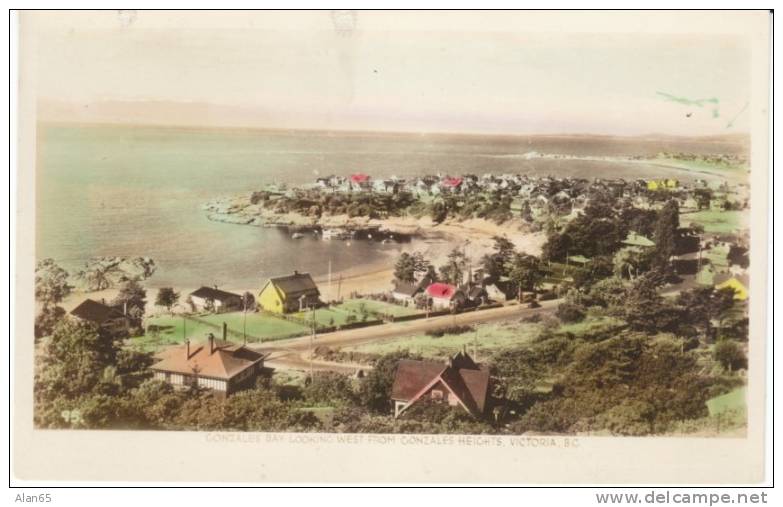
column 106, row 317
column 212, row 298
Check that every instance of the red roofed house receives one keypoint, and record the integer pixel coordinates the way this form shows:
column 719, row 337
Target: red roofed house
column 444, row 295
column 460, row 383
column 451, row 183
column 219, row 365
column 360, row 181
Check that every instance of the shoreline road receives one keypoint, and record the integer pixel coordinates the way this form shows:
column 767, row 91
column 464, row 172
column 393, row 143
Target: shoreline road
column 293, row 353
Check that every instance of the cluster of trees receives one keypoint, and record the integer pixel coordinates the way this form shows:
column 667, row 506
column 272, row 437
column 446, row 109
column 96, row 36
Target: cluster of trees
column 101, row 273
column 51, row 287
column 315, row 203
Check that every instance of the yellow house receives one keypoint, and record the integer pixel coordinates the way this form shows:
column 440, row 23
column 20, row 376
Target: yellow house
column 740, row 290
column 292, row 293
column 662, row 184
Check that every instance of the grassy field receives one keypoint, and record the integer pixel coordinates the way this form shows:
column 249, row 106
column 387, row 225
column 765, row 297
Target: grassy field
column 333, row 316
column 173, row 329
column 704, row 166
column 715, row 221
column 487, row 338
column 353, row 305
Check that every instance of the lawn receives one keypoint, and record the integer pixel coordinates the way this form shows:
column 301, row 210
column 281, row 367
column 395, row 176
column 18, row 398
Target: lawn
column 487, row 339
column 260, row 326
column 328, row 317
column 172, row 329
column 353, row 305
column 715, row 221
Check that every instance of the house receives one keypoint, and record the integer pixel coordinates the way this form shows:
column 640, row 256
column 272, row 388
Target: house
column 740, row 287
column 451, row 183
column 445, row 296
column 359, row 182
column 292, row 293
column 459, row 383
column 219, row 365
column 212, row 299
column 477, row 295
column 107, row 318
column 407, row 292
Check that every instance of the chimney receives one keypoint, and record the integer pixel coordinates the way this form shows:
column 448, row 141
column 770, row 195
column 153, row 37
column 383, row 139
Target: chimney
column 125, row 308
column 225, row 331
column 187, row 349
column 296, row 273
column 215, row 286
column 211, row 343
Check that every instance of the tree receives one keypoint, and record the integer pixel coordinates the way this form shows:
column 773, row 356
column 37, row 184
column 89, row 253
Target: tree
column 74, row 361
column 408, row 266
column 132, row 297
column 666, row 233
column 47, row 319
column 51, row 282
column 248, row 302
column 167, row 298
column 525, row 272
column 453, row 271
column 730, row 355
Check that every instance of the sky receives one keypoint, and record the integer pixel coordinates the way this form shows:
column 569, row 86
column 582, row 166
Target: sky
column 349, row 71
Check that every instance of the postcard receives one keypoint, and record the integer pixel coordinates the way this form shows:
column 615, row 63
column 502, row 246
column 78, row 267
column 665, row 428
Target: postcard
column 486, row 247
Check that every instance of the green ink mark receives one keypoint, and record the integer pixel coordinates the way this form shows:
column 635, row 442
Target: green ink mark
column 687, row 101
column 731, row 122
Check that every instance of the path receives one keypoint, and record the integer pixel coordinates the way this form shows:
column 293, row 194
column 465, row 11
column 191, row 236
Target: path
column 292, row 353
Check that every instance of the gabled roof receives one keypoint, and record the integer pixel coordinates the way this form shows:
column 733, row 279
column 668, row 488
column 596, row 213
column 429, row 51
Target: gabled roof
column 463, row 377
column 226, row 360
column 405, row 288
column 441, row 290
column 451, row 181
column 214, row 294
column 96, row 312
column 360, row 178
column 295, row 285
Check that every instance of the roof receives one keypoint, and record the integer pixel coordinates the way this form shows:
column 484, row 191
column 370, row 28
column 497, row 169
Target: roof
column 360, row 178
column 225, row 362
column 739, row 284
column 295, row 285
column 441, row 290
column 405, row 288
column 214, row 294
column 96, row 312
column 452, row 182
column 635, row 239
column 462, row 376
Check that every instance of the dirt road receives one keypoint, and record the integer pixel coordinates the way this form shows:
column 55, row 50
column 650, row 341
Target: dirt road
column 293, row 353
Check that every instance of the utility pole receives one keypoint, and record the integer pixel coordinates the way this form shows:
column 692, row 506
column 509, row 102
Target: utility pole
column 244, row 321
column 184, row 325
column 312, row 340
column 329, row 283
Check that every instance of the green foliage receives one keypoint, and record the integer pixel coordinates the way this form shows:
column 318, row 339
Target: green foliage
column 329, row 388
column 76, row 356
column 409, row 265
column 166, row 297
column 51, row 283
column 570, row 312
column 47, row 319
column 454, row 270
column 730, row 355
column 134, row 297
column 376, row 388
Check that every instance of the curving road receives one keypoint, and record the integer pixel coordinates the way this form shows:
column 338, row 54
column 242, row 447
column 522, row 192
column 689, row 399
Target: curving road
column 293, row 353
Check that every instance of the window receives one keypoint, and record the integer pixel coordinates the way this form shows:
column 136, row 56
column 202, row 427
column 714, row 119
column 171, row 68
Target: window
column 437, row 394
